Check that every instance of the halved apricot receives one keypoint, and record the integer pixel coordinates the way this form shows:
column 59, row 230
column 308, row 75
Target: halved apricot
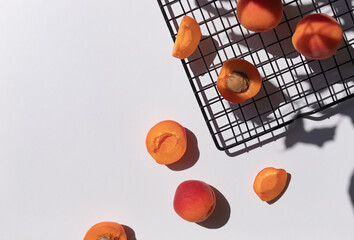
column 269, row 183
column 317, row 36
column 188, row 38
column 238, row 80
column 106, row 231
column 259, row 15
column 166, row 142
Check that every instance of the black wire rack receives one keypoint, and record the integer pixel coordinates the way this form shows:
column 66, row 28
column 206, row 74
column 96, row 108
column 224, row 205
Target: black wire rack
column 293, row 86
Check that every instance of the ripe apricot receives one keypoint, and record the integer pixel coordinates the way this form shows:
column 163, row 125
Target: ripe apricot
column 269, row 183
column 317, row 36
column 194, row 200
column 259, row 15
column 166, row 142
column 188, row 38
column 238, row 80
column 106, row 231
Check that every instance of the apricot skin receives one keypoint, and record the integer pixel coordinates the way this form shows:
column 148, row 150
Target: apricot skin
column 317, row 36
column 269, row 183
column 194, row 201
column 259, row 15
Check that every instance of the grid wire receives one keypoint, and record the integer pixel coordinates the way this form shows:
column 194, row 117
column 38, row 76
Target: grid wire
column 292, row 87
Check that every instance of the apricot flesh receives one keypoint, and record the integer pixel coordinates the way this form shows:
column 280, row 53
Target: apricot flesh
column 166, row 142
column 259, row 15
column 317, row 36
column 106, row 231
column 194, row 200
column 269, row 183
column 188, row 38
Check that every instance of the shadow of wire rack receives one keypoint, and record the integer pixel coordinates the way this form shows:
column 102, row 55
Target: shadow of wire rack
column 293, row 86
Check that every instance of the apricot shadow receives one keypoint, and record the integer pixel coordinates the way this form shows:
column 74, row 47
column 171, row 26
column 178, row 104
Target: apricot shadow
column 129, row 232
column 284, row 190
column 351, row 190
column 191, row 155
column 221, row 213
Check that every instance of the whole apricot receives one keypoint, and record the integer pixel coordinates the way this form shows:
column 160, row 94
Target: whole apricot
column 106, row 231
column 194, row 200
column 166, row 142
column 269, row 183
column 259, row 15
column 317, row 36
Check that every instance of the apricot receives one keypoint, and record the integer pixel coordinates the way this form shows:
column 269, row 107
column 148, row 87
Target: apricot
column 106, row 231
column 317, row 36
column 259, row 15
column 269, row 183
column 238, row 80
column 194, row 200
column 188, row 38
column 166, row 142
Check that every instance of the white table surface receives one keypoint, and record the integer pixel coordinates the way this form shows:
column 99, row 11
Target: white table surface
column 82, row 82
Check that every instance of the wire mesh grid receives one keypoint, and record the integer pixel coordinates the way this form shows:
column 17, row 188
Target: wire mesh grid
column 292, row 87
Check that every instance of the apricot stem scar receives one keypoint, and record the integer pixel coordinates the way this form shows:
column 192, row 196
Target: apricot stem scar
column 238, row 82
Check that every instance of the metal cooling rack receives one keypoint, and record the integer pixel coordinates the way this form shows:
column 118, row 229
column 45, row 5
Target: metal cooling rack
column 293, row 86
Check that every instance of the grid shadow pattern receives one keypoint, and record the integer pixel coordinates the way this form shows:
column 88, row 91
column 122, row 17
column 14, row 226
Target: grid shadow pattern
column 293, row 86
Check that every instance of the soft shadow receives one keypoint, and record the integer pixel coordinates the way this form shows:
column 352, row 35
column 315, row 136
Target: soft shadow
column 221, row 213
column 129, row 232
column 284, row 190
column 351, row 189
column 190, row 157
column 201, row 60
column 317, row 136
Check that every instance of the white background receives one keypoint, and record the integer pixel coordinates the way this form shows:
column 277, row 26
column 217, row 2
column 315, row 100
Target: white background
column 82, row 82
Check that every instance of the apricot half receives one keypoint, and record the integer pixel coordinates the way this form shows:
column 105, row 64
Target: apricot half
column 259, row 15
column 238, row 80
column 106, row 231
column 269, row 183
column 188, row 38
column 166, row 142
column 194, row 200
column 317, row 36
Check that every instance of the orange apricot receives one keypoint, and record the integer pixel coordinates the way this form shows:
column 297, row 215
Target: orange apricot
column 194, row 200
column 259, row 15
column 238, row 80
column 106, row 231
column 166, row 142
column 269, row 183
column 317, row 36
column 188, row 38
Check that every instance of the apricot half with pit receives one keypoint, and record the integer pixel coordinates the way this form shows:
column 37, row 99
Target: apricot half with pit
column 238, row 80
column 194, row 200
column 317, row 36
column 106, row 231
column 259, row 15
column 166, row 142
